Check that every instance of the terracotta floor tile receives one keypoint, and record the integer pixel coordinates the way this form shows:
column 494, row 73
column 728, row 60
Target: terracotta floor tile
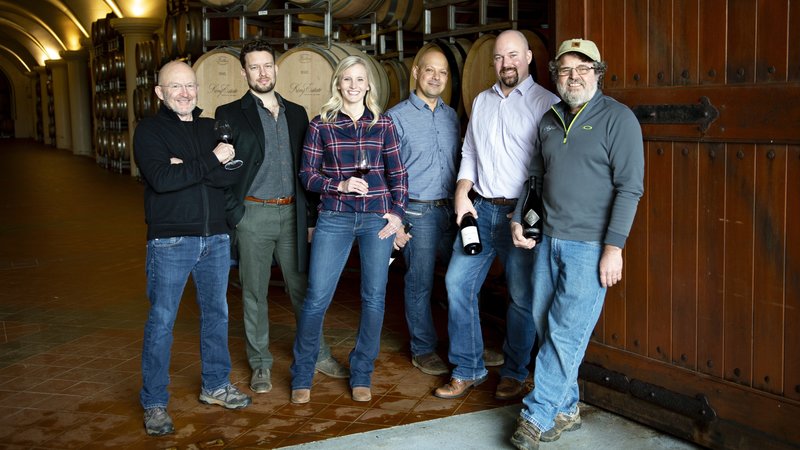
column 259, row 437
column 340, row 413
column 324, row 427
column 396, row 403
column 437, row 406
column 382, row 416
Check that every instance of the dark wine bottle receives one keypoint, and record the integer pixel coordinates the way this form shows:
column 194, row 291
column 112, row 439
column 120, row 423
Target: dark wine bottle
column 532, row 213
column 397, row 253
column 470, row 237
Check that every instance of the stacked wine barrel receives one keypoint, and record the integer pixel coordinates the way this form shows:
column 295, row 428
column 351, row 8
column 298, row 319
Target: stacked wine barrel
column 149, row 58
column 305, row 69
column 110, row 97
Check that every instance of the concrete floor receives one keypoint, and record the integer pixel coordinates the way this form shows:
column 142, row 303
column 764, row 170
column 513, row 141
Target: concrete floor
column 491, row 429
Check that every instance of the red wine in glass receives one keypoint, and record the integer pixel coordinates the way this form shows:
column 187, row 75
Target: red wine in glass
column 362, row 163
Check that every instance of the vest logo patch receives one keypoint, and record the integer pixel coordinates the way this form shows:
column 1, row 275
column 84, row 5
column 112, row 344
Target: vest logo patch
column 587, row 127
column 549, row 128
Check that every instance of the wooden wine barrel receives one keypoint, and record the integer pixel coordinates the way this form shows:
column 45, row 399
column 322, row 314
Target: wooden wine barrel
column 159, row 51
column 123, row 151
column 346, row 9
column 220, row 80
column 190, row 33
column 410, row 12
column 144, row 56
column 455, row 54
column 121, row 105
column 170, row 38
column 479, row 73
column 306, row 72
column 250, row 5
column 541, row 57
column 398, row 74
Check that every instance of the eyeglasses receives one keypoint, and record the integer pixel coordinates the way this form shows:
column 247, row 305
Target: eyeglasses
column 566, row 71
column 176, row 86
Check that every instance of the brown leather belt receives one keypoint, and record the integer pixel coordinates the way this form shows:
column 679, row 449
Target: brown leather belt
column 501, row 201
column 439, row 202
column 272, row 201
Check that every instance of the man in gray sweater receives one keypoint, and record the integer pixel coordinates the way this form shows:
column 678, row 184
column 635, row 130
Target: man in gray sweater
column 590, row 169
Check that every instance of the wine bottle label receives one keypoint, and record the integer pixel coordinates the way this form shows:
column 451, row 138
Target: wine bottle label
column 531, row 217
column 469, row 235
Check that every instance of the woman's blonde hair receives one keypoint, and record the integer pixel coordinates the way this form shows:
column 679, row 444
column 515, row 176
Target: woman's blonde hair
column 331, row 108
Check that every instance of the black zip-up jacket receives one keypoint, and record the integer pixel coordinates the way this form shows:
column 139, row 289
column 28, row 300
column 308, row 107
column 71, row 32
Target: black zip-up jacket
column 185, row 199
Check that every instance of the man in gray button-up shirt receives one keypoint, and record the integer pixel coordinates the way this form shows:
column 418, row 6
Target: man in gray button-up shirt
column 429, row 137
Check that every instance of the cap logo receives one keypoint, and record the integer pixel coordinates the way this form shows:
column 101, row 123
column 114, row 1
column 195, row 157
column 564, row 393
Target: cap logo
column 576, row 45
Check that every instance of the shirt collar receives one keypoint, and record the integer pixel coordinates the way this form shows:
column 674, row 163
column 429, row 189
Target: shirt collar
column 522, row 88
column 420, row 103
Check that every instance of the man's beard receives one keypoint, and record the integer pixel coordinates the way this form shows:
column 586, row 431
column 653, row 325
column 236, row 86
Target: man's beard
column 262, row 90
column 575, row 98
column 509, row 77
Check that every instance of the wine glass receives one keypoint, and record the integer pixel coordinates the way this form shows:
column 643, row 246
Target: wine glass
column 362, row 163
column 225, row 134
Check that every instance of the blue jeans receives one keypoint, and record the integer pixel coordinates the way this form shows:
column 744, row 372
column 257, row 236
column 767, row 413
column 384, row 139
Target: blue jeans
column 432, row 233
column 330, row 248
column 567, row 298
column 465, row 276
column 169, row 263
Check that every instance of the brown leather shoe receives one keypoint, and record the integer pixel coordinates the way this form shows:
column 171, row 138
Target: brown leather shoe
column 493, row 358
column 300, row 396
column 430, row 363
column 508, row 389
column 361, row 394
column 457, row 388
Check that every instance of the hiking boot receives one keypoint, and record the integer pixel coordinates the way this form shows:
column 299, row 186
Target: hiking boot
column 228, row 396
column 430, row 363
column 260, row 381
column 332, row 368
column 564, row 422
column 527, row 436
column 157, row 422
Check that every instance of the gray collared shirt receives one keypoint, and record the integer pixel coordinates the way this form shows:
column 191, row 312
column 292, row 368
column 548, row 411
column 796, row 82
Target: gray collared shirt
column 429, row 144
column 276, row 177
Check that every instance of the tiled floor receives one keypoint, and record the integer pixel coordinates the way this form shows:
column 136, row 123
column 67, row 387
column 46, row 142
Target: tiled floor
column 72, row 309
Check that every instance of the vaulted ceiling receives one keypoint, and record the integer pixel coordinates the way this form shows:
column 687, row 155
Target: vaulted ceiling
column 33, row 31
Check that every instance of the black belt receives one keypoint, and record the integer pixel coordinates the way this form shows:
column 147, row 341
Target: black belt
column 501, row 201
column 439, row 202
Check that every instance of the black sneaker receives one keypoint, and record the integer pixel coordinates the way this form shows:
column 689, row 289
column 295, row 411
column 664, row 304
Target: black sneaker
column 157, row 422
column 228, row 396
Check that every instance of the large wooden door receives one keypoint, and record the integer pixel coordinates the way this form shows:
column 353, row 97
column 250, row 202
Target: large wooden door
column 702, row 338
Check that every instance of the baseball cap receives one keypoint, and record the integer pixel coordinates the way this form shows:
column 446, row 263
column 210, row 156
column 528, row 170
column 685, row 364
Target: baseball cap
column 582, row 46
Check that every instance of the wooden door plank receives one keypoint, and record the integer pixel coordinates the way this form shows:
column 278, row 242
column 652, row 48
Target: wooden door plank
column 713, row 29
column 660, row 244
column 741, row 42
column 711, row 258
column 738, row 317
column 685, row 22
column 793, row 52
column 660, row 46
column 613, row 50
column 636, row 269
column 684, row 256
column 636, row 26
column 768, row 267
column 771, row 41
column 792, row 276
